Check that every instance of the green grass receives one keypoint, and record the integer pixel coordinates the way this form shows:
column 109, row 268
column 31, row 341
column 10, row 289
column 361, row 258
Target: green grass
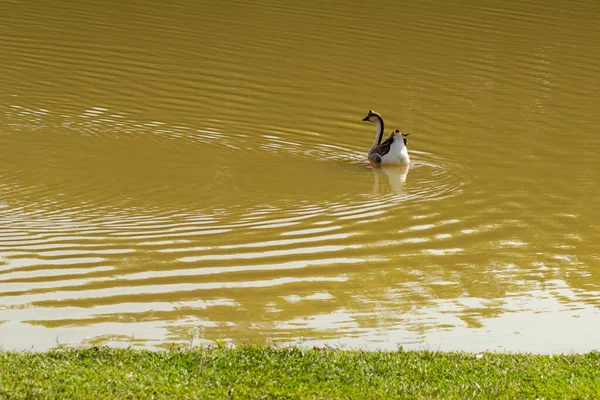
column 263, row 372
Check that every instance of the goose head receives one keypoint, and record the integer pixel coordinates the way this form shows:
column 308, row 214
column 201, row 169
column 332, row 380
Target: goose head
column 371, row 116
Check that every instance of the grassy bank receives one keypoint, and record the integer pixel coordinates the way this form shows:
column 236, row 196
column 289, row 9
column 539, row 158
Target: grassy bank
column 259, row 372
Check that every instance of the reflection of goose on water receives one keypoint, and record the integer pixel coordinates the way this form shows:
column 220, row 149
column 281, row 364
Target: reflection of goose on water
column 390, row 179
column 393, row 149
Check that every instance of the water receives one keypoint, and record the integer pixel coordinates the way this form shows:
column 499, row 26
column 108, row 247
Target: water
column 179, row 173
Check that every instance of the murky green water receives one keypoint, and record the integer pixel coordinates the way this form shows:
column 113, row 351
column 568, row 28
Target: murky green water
column 196, row 170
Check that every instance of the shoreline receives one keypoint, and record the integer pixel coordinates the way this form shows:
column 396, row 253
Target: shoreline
column 260, row 371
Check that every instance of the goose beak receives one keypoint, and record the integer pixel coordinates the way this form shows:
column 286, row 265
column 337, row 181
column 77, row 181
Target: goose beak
column 366, row 118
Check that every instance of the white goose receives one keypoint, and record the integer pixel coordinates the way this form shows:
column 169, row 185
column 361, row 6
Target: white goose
column 393, row 149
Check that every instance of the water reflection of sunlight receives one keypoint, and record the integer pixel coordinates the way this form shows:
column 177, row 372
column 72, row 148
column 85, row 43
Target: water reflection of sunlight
column 390, row 178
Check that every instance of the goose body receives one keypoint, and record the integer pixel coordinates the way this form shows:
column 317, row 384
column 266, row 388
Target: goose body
column 393, row 149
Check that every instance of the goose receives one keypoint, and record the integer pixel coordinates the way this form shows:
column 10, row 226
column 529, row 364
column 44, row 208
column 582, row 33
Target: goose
column 393, row 149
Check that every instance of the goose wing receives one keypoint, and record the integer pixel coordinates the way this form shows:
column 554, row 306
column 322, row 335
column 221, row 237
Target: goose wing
column 381, row 150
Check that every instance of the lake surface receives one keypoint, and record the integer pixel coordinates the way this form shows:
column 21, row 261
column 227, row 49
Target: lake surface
column 173, row 174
